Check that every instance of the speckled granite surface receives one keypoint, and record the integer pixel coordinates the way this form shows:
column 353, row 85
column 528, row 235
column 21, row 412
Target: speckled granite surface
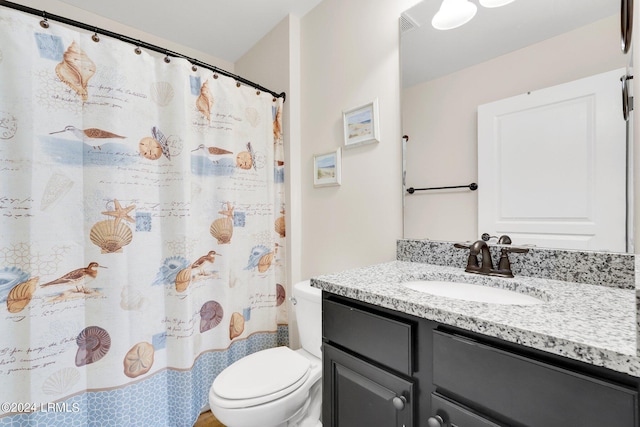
column 593, row 324
column 596, row 268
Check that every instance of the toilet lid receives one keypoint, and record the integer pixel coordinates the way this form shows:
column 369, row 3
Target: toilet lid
column 261, row 373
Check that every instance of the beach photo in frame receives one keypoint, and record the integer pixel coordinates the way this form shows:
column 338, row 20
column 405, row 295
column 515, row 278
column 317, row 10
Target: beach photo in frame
column 361, row 124
column 326, row 169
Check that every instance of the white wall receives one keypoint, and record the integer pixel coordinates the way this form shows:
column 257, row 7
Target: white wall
column 56, row 7
column 440, row 117
column 349, row 56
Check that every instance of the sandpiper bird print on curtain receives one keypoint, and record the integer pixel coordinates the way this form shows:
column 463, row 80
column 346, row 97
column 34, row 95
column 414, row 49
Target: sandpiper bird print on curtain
column 92, row 136
column 77, row 278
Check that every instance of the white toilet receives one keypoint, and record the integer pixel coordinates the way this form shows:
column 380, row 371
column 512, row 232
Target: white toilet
column 276, row 387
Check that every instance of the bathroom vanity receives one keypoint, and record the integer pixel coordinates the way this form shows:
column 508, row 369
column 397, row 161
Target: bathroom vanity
column 396, row 356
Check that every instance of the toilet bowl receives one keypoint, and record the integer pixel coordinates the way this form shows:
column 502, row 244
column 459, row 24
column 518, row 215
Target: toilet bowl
column 278, row 386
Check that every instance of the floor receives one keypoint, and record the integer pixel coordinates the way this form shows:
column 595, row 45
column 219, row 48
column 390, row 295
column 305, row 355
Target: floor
column 207, row 419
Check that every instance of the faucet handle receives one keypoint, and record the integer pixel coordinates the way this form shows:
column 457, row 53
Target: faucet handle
column 515, row 249
column 466, row 245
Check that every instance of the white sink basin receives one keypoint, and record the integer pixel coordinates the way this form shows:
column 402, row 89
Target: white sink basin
column 469, row 292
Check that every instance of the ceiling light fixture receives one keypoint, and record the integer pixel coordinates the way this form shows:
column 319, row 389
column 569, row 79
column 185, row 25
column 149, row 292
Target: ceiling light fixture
column 494, row 3
column 454, row 13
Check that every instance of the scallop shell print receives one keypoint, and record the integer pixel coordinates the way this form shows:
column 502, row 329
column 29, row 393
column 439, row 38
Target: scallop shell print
column 61, row 381
column 252, row 115
column 20, row 296
column 169, row 270
column 161, row 93
column 76, row 69
column 110, row 236
column 222, row 230
column 236, row 326
column 131, row 299
column 211, row 314
column 204, row 103
column 138, row 360
column 93, row 344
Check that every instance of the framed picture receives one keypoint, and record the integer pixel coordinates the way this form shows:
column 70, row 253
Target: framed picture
column 361, row 125
column 326, row 169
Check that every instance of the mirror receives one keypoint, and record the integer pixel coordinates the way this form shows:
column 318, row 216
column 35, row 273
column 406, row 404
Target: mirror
column 519, row 48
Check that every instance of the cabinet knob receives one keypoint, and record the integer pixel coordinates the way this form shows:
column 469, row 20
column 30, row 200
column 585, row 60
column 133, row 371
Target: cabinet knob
column 399, row 402
column 435, row 421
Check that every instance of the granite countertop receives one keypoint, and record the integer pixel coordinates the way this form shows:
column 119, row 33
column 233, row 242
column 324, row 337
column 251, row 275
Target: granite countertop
column 590, row 323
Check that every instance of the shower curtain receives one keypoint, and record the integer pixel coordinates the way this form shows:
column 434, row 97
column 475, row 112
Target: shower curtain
column 141, row 229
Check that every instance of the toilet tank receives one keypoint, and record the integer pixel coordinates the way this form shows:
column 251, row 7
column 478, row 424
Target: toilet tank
column 308, row 308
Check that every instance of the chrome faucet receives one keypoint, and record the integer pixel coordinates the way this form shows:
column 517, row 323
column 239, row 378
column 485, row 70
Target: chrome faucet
column 485, row 266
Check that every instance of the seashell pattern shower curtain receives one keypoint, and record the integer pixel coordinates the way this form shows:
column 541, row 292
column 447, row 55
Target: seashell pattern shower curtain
column 141, row 229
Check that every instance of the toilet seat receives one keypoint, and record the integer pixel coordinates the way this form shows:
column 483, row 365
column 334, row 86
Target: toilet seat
column 259, row 378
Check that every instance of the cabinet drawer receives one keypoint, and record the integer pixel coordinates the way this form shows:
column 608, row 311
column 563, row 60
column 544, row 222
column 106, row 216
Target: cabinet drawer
column 454, row 415
column 526, row 391
column 381, row 339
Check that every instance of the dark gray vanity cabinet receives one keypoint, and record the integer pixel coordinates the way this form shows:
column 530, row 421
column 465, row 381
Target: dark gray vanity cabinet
column 385, row 368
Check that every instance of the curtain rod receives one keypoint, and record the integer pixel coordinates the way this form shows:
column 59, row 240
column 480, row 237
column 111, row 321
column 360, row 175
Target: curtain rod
column 138, row 43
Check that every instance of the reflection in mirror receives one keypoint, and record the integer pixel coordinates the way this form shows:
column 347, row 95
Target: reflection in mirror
column 508, row 52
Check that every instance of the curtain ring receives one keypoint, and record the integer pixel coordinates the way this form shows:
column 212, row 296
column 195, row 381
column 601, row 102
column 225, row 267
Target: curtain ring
column 215, row 75
column 166, row 58
column 194, row 68
column 274, row 99
column 95, row 36
column 137, row 50
column 257, row 92
column 238, row 84
column 44, row 23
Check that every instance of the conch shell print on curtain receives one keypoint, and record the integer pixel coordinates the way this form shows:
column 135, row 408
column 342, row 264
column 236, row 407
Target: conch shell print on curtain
column 204, row 103
column 76, row 69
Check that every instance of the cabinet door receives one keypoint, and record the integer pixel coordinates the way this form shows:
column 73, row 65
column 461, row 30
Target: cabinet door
column 358, row 394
